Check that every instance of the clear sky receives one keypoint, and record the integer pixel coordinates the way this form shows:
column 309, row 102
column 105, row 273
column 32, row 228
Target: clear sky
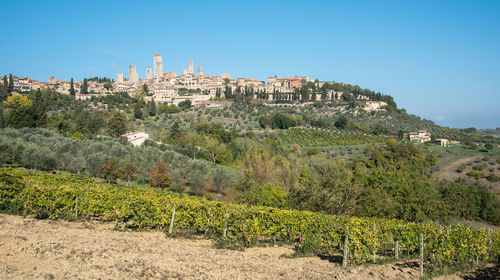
column 439, row 59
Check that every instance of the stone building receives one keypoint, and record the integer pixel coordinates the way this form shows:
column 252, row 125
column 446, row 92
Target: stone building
column 119, row 78
column 158, row 66
column 190, row 68
column 133, row 77
column 374, row 105
column 421, row 136
column 442, row 142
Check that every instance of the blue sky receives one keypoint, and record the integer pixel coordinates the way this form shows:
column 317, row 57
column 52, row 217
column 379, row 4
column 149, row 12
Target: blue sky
column 439, row 59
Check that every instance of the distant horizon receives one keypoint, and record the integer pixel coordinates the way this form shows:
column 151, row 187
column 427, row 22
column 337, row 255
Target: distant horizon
column 439, row 60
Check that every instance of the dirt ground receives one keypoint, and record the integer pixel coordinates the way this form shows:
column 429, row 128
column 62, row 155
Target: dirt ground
column 42, row 249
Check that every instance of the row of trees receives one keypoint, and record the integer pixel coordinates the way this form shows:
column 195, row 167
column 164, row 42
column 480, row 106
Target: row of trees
column 285, row 121
column 46, row 150
column 309, row 91
column 158, row 178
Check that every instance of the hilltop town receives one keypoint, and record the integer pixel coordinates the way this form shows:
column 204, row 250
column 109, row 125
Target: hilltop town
column 197, row 87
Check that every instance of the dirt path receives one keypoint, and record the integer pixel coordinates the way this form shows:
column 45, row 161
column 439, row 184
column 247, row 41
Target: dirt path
column 41, row 249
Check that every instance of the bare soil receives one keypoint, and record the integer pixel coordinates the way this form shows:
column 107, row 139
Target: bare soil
column 43, row 249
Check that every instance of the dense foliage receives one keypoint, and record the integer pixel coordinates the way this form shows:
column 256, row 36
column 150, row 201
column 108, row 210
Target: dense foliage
column 316, row 137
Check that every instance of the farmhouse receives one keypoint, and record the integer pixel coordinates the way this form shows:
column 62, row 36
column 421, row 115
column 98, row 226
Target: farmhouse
column 421, row 136
column 442, row 142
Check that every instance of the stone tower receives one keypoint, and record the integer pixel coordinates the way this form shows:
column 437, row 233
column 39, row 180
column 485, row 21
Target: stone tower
column 132, row 74
column 200, row 71
column 158, row 66
column 190, row 67
column 149, row 74
column 119, row 77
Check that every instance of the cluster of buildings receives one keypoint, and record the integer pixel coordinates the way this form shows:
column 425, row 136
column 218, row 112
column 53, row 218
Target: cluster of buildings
column 191, row 85
column 172, row 88
column 27, row 84
column 423, row 136
column 420, row 136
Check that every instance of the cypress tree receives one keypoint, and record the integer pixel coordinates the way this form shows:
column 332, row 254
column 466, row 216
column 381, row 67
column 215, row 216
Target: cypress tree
column 85, row 88
column 175, row 132
column 5, row 83
column 3, row 93
column 40, row 114
column 138, row 111
column 11, row 83
column 152, row 108
column 71, row 88
column 2, row 125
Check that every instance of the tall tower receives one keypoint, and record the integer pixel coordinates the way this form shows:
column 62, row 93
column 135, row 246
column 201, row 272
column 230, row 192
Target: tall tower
column 119, row 77
column 158, row 66
column 149, row 74
column 132, row 74
column 200, row 71
column 190, row 67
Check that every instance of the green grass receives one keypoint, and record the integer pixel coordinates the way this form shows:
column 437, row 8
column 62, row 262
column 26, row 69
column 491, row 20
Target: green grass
column 448, row 155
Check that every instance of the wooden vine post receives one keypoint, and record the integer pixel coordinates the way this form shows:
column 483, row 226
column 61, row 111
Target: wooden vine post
column 172, row 222
column 346, row 249
column 396, row 248
column 76, row 207
column 224, row 233
column 208, row 221
column 374, row 244
column 421, row 255
column 489, row 244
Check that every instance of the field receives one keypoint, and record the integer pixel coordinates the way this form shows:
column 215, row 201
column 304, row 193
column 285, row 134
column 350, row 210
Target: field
column 369, row 240
column 456, row 161
column 43, row 249
column 315, row 137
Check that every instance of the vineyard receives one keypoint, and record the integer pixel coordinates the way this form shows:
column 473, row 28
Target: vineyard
column 361, row 240
column 315, row 137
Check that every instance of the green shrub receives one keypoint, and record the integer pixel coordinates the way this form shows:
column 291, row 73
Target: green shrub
column 493, row 178
column 476, row 174
column 461, row 168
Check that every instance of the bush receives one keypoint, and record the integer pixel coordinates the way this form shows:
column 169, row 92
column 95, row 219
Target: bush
column 493, row 178
column 479, row 166
column 265, row 195
column 313, row 151
column 461, row 168
column 282, row 121
column 476, row 174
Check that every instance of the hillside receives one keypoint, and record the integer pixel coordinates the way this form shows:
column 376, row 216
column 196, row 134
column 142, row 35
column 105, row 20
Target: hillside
column 246, row 174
